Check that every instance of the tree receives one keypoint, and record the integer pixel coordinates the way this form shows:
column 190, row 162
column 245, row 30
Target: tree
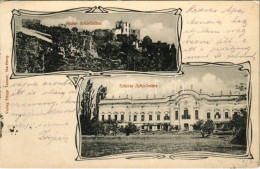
column 197, row 125
column 146, row 42
column 114, row 127
column 242, row 87
column 86, row 106
column 108, row 126
column 97, row 128
column 101, row 94
column 205, row 128
column 130, row 128
column 74, row 29
column 87, row 99
column 238, row 124
column 172, row 58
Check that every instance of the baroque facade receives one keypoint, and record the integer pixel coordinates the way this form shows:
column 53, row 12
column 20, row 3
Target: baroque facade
column 180, row 110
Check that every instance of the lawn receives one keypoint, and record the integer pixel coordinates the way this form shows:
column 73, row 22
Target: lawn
column 167, row 143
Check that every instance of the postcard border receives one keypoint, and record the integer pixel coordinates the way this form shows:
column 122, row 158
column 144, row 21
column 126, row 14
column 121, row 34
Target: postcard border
column 96, row 10
column 189, row 155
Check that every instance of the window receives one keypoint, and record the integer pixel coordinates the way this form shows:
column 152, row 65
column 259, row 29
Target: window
column 142, row 127
column 129, row 117
column 235, row 113
column 217, row 115
column 135, row 117
column 103, row 117
column 226, row 115
column 186, row 114
column 109, row 117
column 142, row 117
column 176, row 115
column 150, row 117
column 166, row 117
column 158, row 127
column 208, row 115
column 196, row 114
column 122, row 117
column 115, row 116
column 150, row 127
column 158, row 116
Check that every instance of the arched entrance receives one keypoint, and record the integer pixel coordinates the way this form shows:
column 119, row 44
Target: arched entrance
column 186, row 126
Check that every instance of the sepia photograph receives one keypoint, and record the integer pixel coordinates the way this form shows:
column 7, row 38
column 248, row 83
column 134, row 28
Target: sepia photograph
column 129, row 84
column 96, row 42
column 202, row 112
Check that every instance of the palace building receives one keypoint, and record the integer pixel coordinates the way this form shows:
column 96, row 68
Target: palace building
column 179, row 110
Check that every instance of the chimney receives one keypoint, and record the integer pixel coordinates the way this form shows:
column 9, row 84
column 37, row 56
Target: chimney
column 200, row 91
column 221, row 92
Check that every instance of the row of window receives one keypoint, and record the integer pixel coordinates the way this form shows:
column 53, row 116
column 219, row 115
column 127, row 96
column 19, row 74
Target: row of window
column 218, row 115
column 115, row 118
column 151, row 127
column 187, row 116
column 166, row 117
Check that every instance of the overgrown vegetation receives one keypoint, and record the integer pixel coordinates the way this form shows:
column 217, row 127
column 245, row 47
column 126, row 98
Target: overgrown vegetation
column 239, row 124
column 236, row 126
column 98, row 50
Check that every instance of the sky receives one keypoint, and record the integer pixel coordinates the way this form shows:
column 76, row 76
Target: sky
column 160, row 27
column 211, row 79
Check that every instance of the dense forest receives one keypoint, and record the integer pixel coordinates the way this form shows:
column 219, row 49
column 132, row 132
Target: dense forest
column 98, row 50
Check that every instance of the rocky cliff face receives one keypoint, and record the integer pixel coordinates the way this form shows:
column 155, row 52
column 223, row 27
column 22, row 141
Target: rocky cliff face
column 89, row 47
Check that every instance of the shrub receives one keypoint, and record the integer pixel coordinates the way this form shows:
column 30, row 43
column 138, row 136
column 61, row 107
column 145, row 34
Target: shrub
column 205, row 128
column 130, row 128
column 238, row 125
column 197, row 125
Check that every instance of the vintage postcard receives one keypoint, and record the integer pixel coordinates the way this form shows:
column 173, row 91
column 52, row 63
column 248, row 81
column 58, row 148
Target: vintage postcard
column 129, row 84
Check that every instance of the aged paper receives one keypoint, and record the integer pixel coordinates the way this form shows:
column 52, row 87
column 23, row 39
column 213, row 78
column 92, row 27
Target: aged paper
column 130, row 84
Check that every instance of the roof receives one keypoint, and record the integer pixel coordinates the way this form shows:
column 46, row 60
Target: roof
column 173, row 97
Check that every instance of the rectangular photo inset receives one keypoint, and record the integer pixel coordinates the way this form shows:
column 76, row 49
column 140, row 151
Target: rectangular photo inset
column 96, row 40
column 203, row 114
